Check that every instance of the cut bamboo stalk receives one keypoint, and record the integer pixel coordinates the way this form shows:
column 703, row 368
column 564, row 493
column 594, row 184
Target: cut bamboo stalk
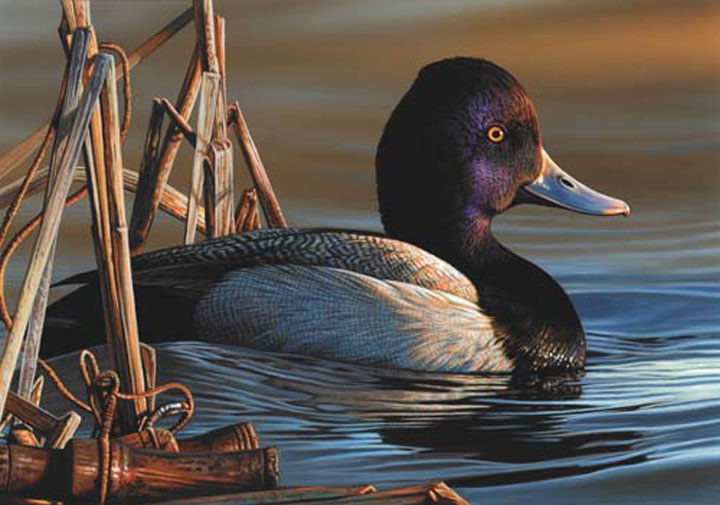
column 152, row 182
column 76, row 64
column 233, row 438
column 221, row 200
column 206, row 112
column 21, row 151
column 50, row 224
column 173, row 201
column 270, row 205
column 57, row 430
column 136, row 475
column 113, row 256
column 205, row 28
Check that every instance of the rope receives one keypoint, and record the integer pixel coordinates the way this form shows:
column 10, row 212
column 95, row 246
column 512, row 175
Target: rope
column 103, row 392
column 127, row 91
column 15, row 243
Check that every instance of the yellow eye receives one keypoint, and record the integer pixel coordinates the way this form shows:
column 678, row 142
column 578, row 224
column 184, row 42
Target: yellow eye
column 496, row 134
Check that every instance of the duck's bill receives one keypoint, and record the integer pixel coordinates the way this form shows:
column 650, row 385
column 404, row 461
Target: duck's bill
column 555, row 188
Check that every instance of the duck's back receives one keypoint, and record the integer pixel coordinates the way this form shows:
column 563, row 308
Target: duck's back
column 338, row 294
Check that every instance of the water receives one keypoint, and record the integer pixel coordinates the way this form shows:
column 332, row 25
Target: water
column 628, row 100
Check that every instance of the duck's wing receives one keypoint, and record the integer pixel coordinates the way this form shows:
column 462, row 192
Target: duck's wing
column 169, row 282
column 194, row 267
column 360, row 252
column 343, row 315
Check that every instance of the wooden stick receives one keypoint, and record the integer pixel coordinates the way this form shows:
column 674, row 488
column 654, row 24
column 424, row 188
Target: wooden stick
column 152, row 182
column 76, row 64
column 270, row 205
column 221, row 198
column 208, row 100
column 49, row 226
column 205, row 28
column 114, row 260
column 21, row 151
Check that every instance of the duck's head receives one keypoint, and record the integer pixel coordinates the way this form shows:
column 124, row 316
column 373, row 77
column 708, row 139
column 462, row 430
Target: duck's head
column 462, row 146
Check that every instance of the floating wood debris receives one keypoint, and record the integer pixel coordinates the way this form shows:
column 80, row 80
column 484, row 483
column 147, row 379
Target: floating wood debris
column 133, row 459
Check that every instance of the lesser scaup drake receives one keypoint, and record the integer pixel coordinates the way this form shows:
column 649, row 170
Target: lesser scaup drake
column 436, row 293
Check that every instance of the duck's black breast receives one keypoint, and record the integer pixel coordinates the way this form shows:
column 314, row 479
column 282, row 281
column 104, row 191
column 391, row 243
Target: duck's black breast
column 532, row 314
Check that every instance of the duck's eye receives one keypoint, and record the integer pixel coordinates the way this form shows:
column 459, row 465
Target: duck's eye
column 496, row 134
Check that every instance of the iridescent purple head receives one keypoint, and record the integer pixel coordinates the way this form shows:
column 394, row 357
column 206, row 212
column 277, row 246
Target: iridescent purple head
column 462, row 146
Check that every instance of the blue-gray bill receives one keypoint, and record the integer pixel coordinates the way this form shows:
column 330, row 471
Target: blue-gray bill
column 556, row 188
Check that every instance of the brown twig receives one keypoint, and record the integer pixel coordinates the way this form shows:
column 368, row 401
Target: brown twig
column 270, row 205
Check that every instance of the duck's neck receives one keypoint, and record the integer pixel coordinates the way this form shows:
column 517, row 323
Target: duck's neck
column 531, row 312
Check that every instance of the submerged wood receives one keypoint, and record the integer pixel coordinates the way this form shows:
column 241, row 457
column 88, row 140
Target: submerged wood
column 21, row 151
column 50, row 224
column 151, row 184
column 76, row 64
column 206, row 112
column 268, row 200
column 136, row 475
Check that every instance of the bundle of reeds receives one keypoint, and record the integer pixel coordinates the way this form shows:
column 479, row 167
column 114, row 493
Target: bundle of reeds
column 132, row 459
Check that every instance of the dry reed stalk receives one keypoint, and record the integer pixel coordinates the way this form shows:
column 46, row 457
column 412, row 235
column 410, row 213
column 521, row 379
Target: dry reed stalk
column 221, row 199
column 172, row 201
column 152, row 136
column 246, row 210
column 206, row 112
column 50, row 224
column 113, row 256
column 76, row 65
column 179, row 122
column 153, row 180
column 21, row 151
column 205, row 29
column 149, row 360
column 270, row 205
column 220, row 115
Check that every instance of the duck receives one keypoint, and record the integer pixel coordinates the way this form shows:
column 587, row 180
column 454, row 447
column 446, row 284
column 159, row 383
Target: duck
column 436, row 292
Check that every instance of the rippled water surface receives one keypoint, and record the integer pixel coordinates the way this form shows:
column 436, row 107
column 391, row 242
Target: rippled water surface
column 628, row 98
